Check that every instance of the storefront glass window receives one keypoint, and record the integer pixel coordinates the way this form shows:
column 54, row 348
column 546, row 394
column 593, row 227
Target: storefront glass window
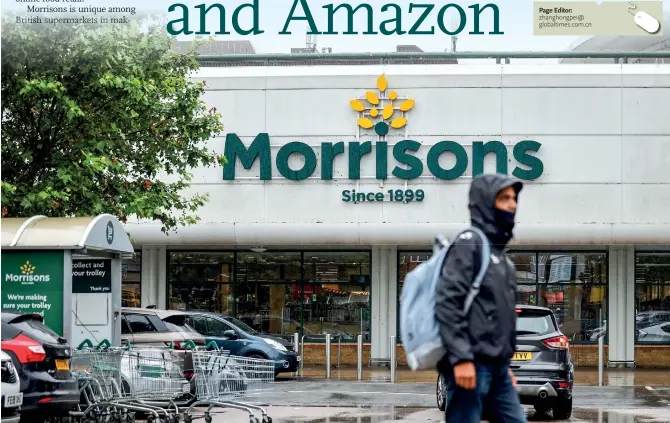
column 201, row 281
column 574, row 287
column 652, row 296
column 267, row 287
column 336, row 295
column 526, row 276
column 131, row 281
column 278, row 293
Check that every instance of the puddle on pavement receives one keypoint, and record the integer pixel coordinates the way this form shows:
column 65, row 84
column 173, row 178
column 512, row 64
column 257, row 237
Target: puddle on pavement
column 384, row 414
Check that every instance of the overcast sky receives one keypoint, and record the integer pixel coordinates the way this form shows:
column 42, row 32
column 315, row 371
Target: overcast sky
column 515, row 22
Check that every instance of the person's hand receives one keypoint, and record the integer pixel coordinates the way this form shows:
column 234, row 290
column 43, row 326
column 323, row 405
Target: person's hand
column 512, row 377
column 465, row 375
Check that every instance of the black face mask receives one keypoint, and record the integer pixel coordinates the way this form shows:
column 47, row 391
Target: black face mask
column 504, row 220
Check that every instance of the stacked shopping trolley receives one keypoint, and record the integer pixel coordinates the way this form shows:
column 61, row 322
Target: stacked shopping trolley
column 221, row 379
column 116, row 384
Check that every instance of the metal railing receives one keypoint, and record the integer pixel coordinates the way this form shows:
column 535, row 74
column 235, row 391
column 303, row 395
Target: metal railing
column 393, row 359
column 328, row 356
column 417, row 58
column 359, row 358
column 296, row 346
column 601, row 349
column 302, row 355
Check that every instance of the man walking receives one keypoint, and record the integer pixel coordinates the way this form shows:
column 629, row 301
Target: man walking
column 481, row 343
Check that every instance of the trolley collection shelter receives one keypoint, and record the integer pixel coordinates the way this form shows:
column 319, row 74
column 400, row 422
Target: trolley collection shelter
column 68, row 270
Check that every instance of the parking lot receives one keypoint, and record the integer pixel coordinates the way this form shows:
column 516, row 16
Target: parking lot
column 380, row 415
column 335, row 401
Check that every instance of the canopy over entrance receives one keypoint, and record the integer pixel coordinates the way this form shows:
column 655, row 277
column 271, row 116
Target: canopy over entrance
column 102, row 233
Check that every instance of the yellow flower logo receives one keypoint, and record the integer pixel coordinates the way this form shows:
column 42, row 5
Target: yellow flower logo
column 382, row 109
column 27, row 269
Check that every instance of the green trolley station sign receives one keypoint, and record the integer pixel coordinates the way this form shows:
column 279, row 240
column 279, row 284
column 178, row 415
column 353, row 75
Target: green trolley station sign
column 67, row 270
column 32, row 282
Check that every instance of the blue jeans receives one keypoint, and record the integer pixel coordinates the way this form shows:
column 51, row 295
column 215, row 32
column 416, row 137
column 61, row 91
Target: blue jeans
column 494, row 398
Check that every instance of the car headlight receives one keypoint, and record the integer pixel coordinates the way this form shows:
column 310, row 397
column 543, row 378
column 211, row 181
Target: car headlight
column 276, row 345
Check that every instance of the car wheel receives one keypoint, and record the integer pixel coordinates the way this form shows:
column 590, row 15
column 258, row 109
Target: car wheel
column 258, row 356
column 562, row 409
column 441, row 393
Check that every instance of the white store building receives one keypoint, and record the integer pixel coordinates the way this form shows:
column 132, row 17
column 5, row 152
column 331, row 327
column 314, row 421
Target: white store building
column 282, row 245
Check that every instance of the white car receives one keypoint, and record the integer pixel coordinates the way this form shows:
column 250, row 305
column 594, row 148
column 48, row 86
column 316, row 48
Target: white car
column 12, row 398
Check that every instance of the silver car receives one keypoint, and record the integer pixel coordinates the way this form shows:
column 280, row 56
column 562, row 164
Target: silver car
column 151, row 327
column 12, row 398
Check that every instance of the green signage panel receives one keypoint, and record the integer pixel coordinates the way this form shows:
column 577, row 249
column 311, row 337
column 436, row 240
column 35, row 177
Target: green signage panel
column 92, row 276
column 32, row 282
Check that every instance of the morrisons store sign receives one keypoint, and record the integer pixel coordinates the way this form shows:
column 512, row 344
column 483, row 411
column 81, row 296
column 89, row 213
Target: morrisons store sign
column 381, row 111
column 403, row 152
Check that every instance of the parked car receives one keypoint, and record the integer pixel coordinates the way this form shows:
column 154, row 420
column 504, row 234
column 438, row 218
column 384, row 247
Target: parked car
column 12, row 398
column 269, row 324
column 542, row 364
column 251, row 331
column 231, row 337
column 151, row 327
column 42, row 359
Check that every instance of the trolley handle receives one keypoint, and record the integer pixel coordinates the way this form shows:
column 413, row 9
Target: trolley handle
column 86, row 343
column 104, row 344
column 189, row 345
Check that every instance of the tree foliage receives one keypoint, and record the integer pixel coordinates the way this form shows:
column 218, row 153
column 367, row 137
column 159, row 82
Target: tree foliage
column 93, row 116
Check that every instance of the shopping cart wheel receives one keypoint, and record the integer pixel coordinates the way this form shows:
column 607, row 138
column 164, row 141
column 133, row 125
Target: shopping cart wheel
column 267, row 419
column 208, row 418
column 188, row 418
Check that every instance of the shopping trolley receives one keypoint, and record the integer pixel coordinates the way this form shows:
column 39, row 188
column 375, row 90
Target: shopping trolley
column 155, row 375
column 116, row 383
column 220, row 379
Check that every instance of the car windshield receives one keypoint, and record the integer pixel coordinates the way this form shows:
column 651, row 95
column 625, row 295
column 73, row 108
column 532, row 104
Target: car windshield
column 534, row 323
column 240, row 324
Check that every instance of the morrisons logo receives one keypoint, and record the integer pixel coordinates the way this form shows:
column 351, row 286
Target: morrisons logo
column 27, row 275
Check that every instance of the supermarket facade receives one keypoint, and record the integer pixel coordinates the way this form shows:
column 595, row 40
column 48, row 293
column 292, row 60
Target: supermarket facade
column 339, row 177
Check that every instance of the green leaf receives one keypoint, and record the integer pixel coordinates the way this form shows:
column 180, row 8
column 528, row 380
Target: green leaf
column 92, row 148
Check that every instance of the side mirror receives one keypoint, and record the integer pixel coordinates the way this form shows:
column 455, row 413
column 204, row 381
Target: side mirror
column 230, row 334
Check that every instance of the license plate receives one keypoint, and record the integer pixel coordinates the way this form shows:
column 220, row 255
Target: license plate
column 13, row 400
column 522, row 356
column 186, row 388
column 62, row 365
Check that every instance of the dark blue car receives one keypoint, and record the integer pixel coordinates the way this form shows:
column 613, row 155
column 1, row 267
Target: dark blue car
column 233, row 335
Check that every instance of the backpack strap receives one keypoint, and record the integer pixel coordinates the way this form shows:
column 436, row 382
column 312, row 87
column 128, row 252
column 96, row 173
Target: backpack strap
column 484, row 265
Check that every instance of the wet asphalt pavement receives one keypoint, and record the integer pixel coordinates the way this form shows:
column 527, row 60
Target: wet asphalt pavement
column 322, row 401
column 387, row 414
column 352, row 394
